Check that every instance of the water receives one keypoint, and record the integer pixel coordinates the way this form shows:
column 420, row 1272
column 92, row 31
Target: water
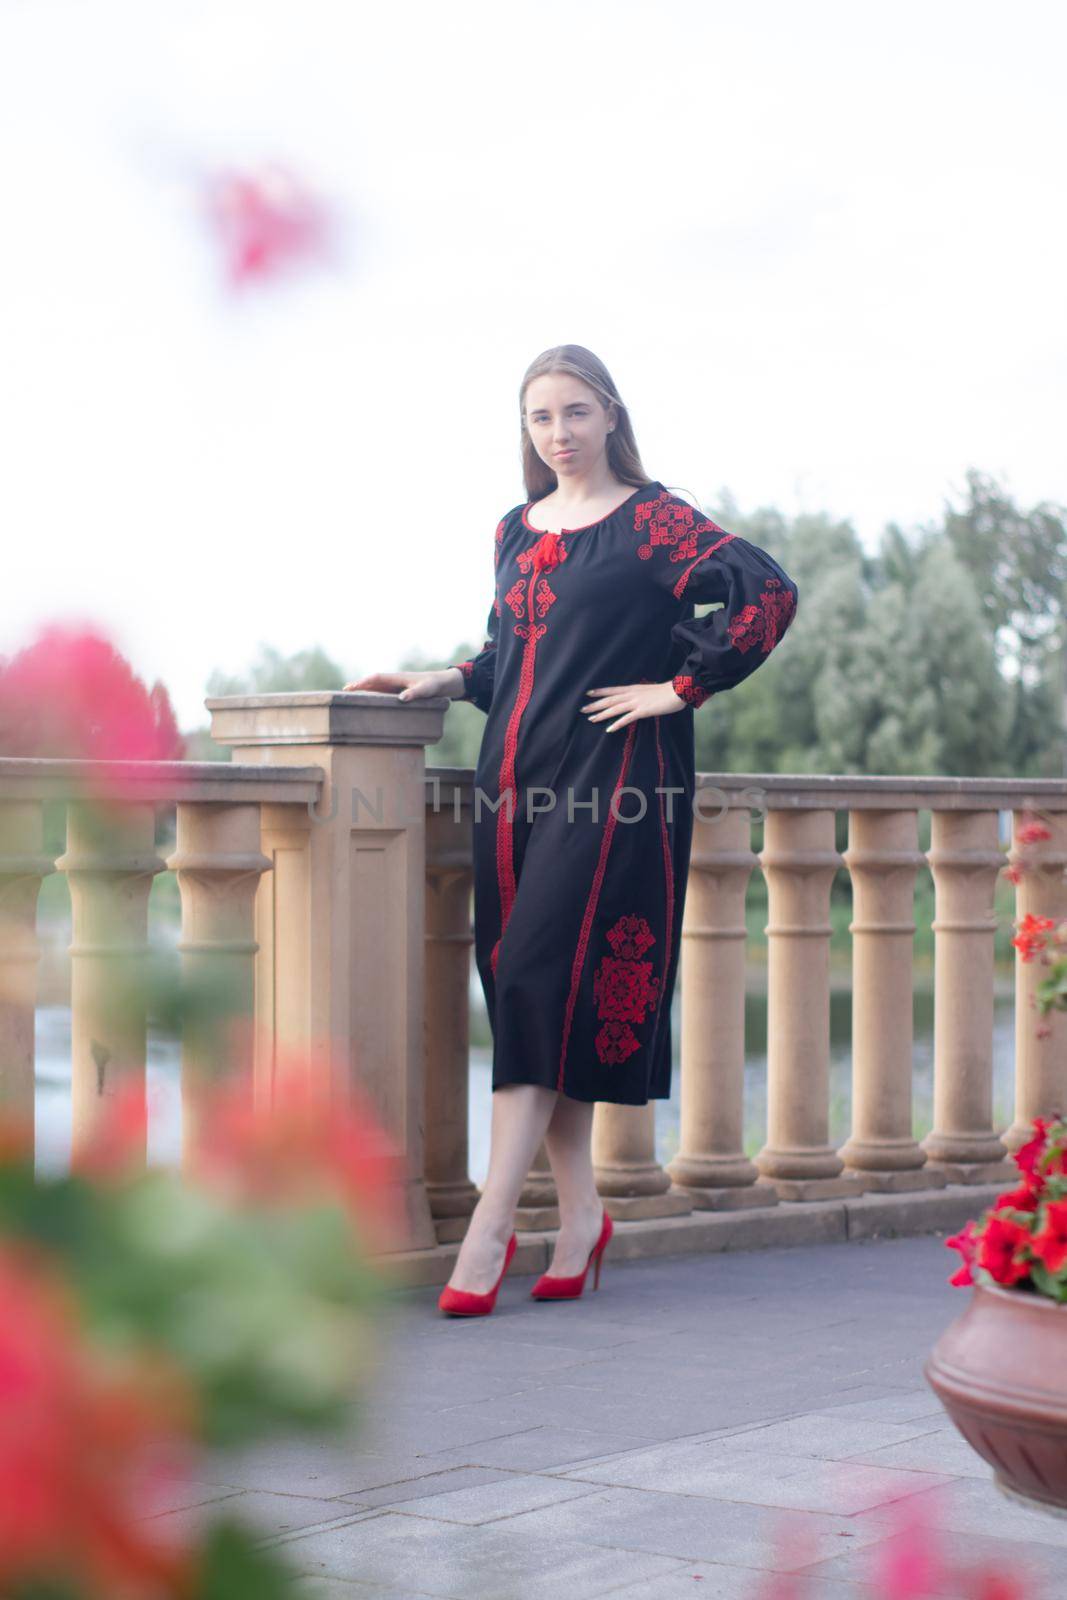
column 53, row 1096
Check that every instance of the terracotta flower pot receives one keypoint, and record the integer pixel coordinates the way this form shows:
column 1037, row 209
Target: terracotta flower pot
column 1000, row 1371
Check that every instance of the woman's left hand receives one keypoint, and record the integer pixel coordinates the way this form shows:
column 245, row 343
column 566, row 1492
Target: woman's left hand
column 633, row 700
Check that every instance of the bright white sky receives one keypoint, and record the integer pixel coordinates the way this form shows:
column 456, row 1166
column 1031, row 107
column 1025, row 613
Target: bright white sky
column 820, row 246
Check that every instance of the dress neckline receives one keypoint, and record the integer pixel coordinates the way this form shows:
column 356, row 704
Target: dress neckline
column 641, row 489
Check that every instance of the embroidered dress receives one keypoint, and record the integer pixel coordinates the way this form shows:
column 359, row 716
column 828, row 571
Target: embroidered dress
column 582, row 837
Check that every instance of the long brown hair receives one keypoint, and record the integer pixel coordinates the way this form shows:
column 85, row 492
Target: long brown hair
column 623, row 456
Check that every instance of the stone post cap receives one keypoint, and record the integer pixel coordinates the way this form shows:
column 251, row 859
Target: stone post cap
column 326, row 717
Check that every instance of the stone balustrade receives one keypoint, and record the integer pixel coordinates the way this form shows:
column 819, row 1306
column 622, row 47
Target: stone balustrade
column 325, row 878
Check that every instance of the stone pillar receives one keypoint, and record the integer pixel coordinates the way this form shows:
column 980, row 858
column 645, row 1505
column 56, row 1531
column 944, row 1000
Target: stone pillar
column 110, row 861
column 538, row 1205
column 799, row 860
column 711, row 1166
column 23, row 864
column 1040, row 1056
column 883, row 857
column 965, row 860
column 218, row 863
column 341, row 919
column 449, row 939
column 629, row 1179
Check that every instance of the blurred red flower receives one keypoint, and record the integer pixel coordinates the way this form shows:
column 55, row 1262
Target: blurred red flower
column 1033, row 832
column 1030, row 938
column 301, row 1140
column 265, row 222
column 84, row 1450
column 71, row 693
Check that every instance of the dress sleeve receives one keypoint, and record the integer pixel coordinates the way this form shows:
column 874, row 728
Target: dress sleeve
column 479, row 672
column 759, row 601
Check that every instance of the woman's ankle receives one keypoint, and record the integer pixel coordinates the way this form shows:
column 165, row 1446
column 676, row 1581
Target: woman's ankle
column 582, row 1215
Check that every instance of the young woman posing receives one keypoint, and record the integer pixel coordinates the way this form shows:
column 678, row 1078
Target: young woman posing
column 591, row 670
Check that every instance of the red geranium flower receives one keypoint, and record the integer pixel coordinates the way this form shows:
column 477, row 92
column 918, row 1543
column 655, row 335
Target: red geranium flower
column 1021, row 1199
column 1030, row 938
column 266, row 222
column 72, row 694
column 1050, row 1245
column 1001, row 1250
column 967, row 1245
column 306, row 1139
column 1033, row 832
column 83, row 1451
column 1028, row 1157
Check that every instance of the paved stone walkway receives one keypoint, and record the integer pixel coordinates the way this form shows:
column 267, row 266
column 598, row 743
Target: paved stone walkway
column 652, row 1440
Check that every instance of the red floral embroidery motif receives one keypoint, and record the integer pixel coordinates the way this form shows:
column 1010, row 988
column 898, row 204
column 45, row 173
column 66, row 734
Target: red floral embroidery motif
column 496, row 606
column 540, row 558
column 765, row 622
column 689, row 689
column 624, row 989
column 671, row 524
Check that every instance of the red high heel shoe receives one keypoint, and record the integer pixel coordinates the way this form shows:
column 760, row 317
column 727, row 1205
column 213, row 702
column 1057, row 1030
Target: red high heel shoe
column 549, row 1288
column 465, row 1303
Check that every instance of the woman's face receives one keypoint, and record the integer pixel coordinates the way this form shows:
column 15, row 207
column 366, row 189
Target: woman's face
column 567, row 423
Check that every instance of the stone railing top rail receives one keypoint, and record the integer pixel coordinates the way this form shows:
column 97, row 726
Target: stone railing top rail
column 783, row 791
column 224, row 782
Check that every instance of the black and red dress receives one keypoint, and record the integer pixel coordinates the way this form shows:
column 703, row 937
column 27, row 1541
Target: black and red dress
column 582, row 837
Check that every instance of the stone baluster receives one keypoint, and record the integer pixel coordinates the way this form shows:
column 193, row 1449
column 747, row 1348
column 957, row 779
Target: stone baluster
column 711, row 1166
column 218, row 864
column 799, row 860
column 538, row 1206
column 110, row 861
column 883, row 857
column 449, row 939
column 1040, row 1041
column 965, row 861
column 630, row 1180
column 23, row 863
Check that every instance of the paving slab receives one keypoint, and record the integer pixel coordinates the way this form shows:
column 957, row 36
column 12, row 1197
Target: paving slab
column 696, row 1425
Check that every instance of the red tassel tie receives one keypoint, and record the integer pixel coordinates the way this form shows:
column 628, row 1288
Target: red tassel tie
column 547, row 552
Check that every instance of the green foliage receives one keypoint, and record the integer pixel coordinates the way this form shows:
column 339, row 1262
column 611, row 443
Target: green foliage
column 234, row 1567
column 273, row 673
column 897, row 662
column 260, row 1305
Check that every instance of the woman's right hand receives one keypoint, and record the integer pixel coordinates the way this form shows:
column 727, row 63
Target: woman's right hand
column 444, row 682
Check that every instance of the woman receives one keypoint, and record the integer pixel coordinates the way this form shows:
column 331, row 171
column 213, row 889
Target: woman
column 589, row 676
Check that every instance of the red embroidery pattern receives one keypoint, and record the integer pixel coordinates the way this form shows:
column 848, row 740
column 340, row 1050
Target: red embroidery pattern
column 675, row 526
column 527, row 595
column 689, row 689
column 496, row 605
column 624, row 989
column 591, row 903
column 668, row 864
column 765, row 622
column 679, row 587
column 669, row 523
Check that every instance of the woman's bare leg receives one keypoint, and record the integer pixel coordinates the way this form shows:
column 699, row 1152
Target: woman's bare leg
column 568, row 1141
column 521, row 1113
